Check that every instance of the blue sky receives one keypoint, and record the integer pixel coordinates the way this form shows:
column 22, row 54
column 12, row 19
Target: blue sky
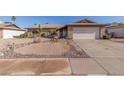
column 25, row 21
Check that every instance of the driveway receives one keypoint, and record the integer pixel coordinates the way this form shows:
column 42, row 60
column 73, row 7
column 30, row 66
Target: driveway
column 101, row 48
column 107, row 58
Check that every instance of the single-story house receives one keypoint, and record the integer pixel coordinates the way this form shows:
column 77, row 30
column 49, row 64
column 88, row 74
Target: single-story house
column 82, row 29
column 116, row 30
column 9, row 30
column 43, row 28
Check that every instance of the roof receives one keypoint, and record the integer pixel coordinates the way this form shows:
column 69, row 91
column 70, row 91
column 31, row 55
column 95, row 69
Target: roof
column 10, row 26
column 56, row 26
column 112, row 27
column 84, row 21
column 115, row 25
column 86, row 24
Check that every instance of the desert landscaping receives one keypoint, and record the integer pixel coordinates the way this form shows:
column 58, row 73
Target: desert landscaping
column 45, row 57
column 82, row 47
column 62, row 57
column 45, row 48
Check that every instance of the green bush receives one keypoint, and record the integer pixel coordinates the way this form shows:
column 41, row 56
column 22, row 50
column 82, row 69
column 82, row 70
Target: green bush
column 25, row 35
column 43, row 34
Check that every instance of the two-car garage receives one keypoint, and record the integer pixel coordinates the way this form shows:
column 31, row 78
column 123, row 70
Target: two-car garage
column 86, row 33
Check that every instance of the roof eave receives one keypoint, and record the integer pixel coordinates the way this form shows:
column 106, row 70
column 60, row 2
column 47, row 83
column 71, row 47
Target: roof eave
column 13, row 29
column 87, row 25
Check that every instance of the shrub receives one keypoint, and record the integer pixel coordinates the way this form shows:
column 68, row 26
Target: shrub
column 25, row 35
column 105, row 37
column 43, row 34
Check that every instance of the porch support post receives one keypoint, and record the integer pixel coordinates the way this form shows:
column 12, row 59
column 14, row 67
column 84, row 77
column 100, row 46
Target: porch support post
column 100, row 32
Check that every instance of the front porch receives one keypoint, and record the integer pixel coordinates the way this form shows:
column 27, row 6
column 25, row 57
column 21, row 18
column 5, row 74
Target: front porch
column 62, row 32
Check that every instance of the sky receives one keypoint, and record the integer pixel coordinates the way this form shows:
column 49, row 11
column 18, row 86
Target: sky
column 27, row 21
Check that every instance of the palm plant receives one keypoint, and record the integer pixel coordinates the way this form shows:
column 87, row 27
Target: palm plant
column 13, row 18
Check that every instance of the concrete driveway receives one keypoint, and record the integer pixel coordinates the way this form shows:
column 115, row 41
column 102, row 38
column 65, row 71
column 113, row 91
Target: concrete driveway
column 107, row 58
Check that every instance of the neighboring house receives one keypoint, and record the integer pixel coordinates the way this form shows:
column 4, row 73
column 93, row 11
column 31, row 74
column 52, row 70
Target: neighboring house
column 43, row 28
column 82, row 29
column 115, row 30
column 9, row 30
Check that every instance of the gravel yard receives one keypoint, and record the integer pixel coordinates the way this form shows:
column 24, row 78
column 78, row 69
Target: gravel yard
column 45, row 48
column 4, row 42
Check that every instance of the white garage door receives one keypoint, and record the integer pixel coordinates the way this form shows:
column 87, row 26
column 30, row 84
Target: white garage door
column 11, row 33
column 84, row 35
column 85, row 32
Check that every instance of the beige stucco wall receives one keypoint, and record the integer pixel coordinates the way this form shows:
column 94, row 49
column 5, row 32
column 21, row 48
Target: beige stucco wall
column 1, row 34
column 102, row 29
column 72, row 30
column 69, row 32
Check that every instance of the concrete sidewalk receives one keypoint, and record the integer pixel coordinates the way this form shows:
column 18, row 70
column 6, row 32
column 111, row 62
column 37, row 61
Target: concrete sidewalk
column 35, row 66
column 63, row 66
column 86, row 66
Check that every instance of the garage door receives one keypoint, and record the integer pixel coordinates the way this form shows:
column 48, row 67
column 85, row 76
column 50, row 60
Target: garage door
column 84, row 35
